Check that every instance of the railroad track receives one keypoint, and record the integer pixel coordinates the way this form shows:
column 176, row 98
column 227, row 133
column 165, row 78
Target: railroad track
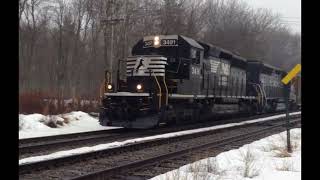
column 50, row 144
column 148, row 168
column 108, row 162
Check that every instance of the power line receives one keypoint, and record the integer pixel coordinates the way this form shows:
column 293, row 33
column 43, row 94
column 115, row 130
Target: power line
column 290, row 17
column 299, row 23
column 290, row 22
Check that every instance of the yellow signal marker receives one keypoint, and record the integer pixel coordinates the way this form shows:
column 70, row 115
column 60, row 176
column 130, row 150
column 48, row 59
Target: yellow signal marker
column 291, row 74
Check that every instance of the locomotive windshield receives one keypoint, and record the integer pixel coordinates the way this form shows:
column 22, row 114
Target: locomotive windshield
column 164, row 51
column 157, row 45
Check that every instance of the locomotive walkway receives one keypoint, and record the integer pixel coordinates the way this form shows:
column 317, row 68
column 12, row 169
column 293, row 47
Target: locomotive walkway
column 147, row 154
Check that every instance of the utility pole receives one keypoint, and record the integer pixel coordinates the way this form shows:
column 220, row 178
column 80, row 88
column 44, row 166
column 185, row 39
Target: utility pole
column 110, row 21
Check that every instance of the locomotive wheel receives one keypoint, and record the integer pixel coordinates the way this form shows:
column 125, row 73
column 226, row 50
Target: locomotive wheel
column 196, row 113
column 180, row 118
column 172, row 121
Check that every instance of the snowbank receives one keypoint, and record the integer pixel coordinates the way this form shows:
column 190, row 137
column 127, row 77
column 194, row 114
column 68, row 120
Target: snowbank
column 265, row 159
column 36, row 125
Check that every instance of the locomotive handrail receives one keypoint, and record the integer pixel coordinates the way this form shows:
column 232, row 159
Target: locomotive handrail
column 232, row 87
column 258, row 88
column 165, row 85
column 237, row 87
column 158, row 86
column 227, row 87
column 241, row 87
column 265, row 95
column 208, row 84
column 258, row 94
column 220, row 85
column 262, row 99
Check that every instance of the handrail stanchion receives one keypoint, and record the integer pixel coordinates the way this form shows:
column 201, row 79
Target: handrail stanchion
column 159, row 88
column 167, row 93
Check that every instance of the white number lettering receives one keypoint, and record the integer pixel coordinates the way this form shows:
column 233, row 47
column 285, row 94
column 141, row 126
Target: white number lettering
column 225, row 68
column 147, row 43
column 168, row 42
column 195, row 71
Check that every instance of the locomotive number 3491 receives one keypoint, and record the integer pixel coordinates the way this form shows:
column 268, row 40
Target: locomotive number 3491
column 168, row 42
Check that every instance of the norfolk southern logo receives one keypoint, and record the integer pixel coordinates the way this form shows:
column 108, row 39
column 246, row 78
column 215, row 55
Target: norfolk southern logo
column 140, row 64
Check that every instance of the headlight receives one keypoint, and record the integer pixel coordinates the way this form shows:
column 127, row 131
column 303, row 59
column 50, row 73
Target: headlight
column 109, row 87
column 139, row 87
column 156, row 41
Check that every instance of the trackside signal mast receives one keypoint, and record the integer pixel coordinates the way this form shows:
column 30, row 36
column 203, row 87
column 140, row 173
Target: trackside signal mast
column 287, row 84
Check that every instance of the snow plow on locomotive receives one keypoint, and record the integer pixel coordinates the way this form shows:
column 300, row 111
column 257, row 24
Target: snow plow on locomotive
column 176, row 79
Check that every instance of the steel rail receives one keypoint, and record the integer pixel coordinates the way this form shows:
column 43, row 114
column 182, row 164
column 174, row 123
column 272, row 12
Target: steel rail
column 23, row 142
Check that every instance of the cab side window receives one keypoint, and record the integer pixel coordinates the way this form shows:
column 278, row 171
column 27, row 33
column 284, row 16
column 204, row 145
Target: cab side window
column 195, row 56
column 198, row 57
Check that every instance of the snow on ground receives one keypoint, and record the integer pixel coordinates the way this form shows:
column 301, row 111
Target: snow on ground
column 131, row 141
column 36, row 125
column 265, row 159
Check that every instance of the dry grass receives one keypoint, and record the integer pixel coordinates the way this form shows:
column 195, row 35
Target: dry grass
column 250, row 169
column 279, row 148
column 286, row 165
column 52, row 121
column 65, row 119
column 206, row 170
column 213, row 166
column 281, row 152
column 46, row 103
column 175, row 175
column 194, row 167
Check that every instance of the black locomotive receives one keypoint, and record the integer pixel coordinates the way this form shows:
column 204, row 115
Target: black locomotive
column 174, row 79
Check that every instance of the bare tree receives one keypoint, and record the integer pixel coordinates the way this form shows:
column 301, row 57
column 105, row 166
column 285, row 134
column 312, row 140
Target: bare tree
column 22, row 6
column 64, row 47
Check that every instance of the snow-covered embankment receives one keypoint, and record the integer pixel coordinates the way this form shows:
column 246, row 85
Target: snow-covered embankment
column 266, row 159
column 36, row 125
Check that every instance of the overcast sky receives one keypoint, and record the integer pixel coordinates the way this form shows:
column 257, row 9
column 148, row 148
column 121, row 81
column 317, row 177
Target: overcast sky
column 289, row 9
